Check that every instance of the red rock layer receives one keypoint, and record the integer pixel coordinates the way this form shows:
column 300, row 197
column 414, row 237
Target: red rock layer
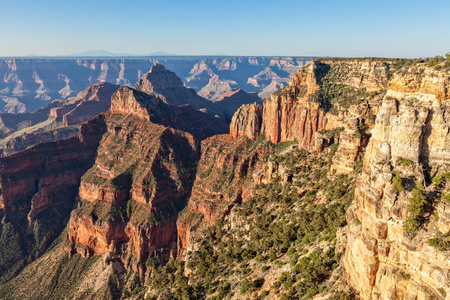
column 33, row 178
column 290, row 115
column 130, row 197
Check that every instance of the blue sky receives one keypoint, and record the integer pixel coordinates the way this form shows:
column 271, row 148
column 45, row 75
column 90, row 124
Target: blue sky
column 246, row 27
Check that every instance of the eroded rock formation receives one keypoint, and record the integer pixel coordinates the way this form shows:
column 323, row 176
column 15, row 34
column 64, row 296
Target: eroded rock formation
column 247, row 121
column 37, row 192
column 142, row 177
column 411, row 139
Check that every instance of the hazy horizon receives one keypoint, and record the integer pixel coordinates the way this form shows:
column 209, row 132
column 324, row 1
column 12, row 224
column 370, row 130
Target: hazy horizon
column 236, row 28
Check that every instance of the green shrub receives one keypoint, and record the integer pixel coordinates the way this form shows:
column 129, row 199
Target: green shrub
column 437, row 180
column 398, row 184
column 440, row 243
column 446, row 197
column 406, row 162
column 418, row 201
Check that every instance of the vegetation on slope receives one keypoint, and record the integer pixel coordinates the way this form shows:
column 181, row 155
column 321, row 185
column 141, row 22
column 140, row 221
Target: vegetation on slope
column 286, row 240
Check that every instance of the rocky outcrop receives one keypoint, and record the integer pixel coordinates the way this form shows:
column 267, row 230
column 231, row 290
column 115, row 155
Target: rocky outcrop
column 133, row 200
column 299, row 111
column 410, row 138
column 87, row 104
column 152, row 108
column 144, row 171
column 129, row 199
column 247, row 121
column 288, row 119
column 169, row 87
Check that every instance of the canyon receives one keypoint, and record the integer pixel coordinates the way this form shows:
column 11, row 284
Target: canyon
column 58, row 120
column 31, row 83
column 337, row 185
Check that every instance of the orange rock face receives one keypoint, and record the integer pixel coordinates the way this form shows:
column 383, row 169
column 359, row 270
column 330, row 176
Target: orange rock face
column 288, row 119
column 290, row 114
column 382, row 262
column 247, row 121
column 420, row 79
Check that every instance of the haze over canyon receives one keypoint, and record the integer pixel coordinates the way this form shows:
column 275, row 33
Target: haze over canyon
column 30, row 83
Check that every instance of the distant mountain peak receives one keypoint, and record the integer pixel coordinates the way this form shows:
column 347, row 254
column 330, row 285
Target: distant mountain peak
column 99, row 52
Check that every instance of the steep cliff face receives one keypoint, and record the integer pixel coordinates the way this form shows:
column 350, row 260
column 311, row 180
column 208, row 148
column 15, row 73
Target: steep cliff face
column 38, row 188
column 247, row 121
column 130, row 198
column 153, row 109
column 170, row 88
column 337, row 87
column 388, row 253
column 398, row 224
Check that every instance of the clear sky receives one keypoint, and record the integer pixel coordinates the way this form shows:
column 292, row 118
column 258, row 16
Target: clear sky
column 394, row 28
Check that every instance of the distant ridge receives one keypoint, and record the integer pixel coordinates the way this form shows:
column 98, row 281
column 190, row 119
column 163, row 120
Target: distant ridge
column 105, row 53
column 99, row 52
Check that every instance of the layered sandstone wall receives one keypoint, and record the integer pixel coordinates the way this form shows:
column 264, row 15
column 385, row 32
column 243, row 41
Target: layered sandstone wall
column 411, row 138
column 29, row 179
